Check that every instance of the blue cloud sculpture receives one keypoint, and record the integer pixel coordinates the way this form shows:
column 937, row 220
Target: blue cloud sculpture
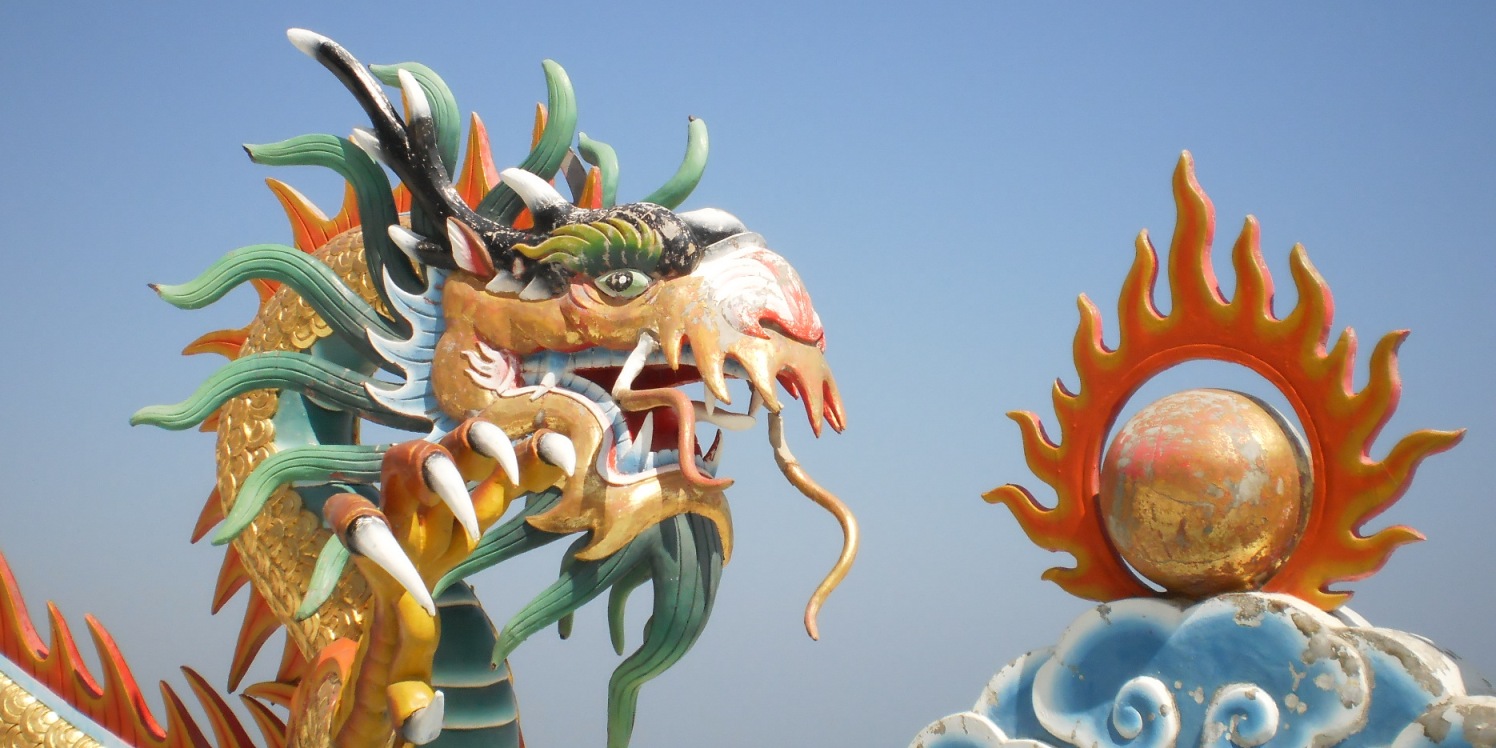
column 1246, row 669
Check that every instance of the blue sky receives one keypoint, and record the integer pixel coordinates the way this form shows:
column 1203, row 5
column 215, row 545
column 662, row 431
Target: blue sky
column 946, row 177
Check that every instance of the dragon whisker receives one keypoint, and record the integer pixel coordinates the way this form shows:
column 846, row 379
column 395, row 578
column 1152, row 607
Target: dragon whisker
column 826, row 500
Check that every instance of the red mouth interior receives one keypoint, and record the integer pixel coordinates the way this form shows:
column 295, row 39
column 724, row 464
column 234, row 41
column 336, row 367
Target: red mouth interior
column 666, row 422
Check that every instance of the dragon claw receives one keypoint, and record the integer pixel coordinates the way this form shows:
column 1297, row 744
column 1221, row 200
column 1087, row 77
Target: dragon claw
column 425, row 724
column 558, row 450
column 443, row 478
column 369, row 536
column 491, row 441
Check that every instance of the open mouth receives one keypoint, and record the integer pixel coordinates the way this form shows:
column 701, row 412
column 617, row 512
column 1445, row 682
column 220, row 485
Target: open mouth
column 650, row 425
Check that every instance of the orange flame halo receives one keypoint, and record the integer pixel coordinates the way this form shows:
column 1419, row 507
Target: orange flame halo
column 1350, row 488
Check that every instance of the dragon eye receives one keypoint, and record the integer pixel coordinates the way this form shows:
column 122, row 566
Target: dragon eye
column 623, row 284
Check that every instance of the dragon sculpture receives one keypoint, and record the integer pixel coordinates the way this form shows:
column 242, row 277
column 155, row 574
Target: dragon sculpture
column 536, row 349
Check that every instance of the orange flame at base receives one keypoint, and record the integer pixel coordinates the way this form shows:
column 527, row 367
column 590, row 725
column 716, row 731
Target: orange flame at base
column 114, row 701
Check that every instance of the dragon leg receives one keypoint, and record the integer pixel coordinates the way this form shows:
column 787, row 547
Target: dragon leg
column 426, row 523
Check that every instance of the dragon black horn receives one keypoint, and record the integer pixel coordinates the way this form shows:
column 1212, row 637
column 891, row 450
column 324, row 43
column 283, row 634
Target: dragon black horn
column 710, row 225
column 409, row 149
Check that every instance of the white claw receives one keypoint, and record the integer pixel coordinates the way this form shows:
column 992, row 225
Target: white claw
column 537, row 193
column 491, row 441
column 558, row 450
column 405, row 239
column 547, row 383
column 633, row 365
column 443, row 478
column 504, row 282
column 425, row 724
column 709, row 402
column 306, row 41
column 754, row 403
column 369, row 143
column 371, row 538
column 415, row 97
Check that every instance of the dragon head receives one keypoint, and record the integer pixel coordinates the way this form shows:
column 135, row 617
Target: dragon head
column 617, row 310
column 573, row 327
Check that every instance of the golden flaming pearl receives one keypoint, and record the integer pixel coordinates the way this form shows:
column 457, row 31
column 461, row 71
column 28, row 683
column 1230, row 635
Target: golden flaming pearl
column 1204, row 492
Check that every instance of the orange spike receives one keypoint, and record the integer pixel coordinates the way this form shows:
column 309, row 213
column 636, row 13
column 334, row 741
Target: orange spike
column 592, row 190
column 272, row 728
column 226, row 343
column 210, row 516
column 478, row 174
column 275, row 692
column 210, row 424
column 231, row 577
column 310, row 227
column 18, row 638
column 293, row 665
column 524, row 220
column 402, row 198
column 181, row 730
column 66, row 672
column 226, row 727
column 541, row 115
column 259, row 623
column 265, row 288
column 133, row 717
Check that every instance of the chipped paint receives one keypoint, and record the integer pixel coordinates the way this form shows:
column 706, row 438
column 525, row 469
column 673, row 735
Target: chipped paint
column 1230, row 670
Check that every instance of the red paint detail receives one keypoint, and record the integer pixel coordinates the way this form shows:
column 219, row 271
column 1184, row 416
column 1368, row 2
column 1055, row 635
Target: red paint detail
column 790, row 384
column 799, row 321
column 468, row 250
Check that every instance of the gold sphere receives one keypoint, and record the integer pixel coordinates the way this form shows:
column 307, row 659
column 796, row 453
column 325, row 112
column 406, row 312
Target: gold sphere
column 1205, row 491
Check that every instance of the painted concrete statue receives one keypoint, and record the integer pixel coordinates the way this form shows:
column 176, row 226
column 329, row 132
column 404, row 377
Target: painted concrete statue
column 1242, row 526
column 535, row 347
